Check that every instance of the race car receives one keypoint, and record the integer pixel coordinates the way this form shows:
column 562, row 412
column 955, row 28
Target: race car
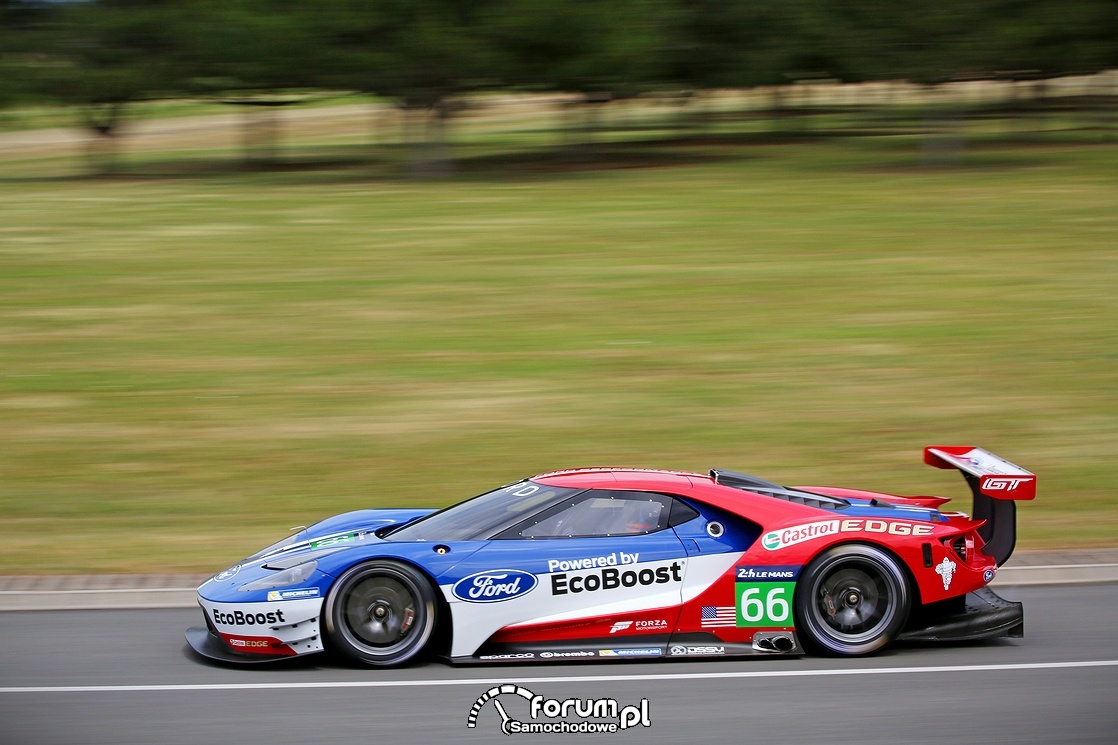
column 628, row 563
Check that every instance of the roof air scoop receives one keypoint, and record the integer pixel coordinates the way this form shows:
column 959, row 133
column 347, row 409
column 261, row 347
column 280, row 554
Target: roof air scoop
column 770, row 489
column 741, row 480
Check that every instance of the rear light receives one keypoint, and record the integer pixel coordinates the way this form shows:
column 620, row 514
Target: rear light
column 963, row 546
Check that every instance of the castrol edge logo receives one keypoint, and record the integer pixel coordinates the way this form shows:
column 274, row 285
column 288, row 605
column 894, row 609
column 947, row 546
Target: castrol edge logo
column 777, row 539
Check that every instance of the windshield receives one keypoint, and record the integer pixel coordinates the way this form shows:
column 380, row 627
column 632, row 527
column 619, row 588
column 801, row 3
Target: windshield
column 484, row 515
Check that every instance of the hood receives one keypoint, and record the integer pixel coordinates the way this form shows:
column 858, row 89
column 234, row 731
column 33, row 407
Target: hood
column 340, row 530
column 330, row 536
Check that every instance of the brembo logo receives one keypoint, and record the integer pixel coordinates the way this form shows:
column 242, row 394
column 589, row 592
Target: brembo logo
column 494, row 586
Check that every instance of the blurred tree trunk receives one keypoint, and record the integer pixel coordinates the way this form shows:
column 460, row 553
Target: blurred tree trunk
column 260, row 131
column 103, row 121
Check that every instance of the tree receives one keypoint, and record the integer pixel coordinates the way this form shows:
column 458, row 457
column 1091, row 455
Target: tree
column 601, row 50
column 420, row 53
column 259, row 55
column 19, row 60
column 102, row 56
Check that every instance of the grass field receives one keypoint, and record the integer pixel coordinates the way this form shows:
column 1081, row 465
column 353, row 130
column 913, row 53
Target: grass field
column 191, row 364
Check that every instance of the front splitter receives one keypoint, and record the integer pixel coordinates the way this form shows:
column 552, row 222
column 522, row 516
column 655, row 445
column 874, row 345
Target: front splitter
column 211, row 647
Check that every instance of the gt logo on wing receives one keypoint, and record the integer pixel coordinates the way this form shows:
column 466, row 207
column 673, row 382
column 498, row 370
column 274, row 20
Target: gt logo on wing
column 1004, row 484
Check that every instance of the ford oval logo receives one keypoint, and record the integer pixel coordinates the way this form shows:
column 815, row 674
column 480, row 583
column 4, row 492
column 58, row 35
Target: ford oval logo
column 229, row 573
column 494, row 586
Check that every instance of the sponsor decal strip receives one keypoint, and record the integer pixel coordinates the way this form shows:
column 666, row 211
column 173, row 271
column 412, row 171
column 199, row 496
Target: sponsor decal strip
column 777, row 539
column 951, row 669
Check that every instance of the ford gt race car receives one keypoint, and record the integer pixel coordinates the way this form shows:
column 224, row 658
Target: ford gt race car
column 622, row 563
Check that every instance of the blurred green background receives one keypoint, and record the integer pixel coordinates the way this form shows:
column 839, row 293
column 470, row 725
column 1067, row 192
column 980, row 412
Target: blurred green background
column 209, row 335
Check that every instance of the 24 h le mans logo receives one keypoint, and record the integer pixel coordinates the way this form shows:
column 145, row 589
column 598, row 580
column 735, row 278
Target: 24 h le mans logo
column 548, row 715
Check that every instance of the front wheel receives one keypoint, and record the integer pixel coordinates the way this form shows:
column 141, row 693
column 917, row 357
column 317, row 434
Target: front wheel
column 381, row 613
column 852, row 600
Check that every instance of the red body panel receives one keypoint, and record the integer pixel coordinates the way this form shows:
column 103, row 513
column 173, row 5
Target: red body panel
column 905, row 538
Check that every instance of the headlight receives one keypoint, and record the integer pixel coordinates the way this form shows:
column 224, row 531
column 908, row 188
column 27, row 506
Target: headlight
column 292, row 576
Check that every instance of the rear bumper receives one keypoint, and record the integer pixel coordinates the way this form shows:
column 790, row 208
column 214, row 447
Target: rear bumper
column 984, row 614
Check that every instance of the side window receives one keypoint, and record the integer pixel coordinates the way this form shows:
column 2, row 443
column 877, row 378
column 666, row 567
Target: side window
column 598, row 513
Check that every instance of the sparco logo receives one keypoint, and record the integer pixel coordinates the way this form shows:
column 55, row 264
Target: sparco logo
column 510, row 656
column 240, row 618
column 493, row 587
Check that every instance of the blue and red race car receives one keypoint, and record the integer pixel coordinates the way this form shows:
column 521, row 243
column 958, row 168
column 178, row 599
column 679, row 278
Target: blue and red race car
column 623, row 563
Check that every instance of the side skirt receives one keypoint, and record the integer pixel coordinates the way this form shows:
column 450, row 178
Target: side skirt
column 658, row 646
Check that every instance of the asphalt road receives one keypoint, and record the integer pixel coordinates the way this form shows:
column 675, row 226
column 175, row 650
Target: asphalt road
column 113, row 676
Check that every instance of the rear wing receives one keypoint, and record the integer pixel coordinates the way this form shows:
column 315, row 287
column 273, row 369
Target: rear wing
column 996, row 484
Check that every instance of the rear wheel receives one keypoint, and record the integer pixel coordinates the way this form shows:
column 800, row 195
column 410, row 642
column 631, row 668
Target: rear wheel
column 381, row 613
column 852, row 600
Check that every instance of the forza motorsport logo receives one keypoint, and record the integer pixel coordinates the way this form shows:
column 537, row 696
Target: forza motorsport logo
column 551, row 716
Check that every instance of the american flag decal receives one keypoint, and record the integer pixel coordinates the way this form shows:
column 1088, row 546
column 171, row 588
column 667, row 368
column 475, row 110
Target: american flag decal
column 718, row 615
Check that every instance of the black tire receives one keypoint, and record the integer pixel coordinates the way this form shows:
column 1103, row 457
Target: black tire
column 852, row 600
column 381, row 613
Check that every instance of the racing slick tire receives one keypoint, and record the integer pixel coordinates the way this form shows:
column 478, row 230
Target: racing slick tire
column 381, row 613
column 852, row 600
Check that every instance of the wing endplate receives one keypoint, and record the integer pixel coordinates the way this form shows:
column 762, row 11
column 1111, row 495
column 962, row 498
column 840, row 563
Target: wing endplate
column 996, row 485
